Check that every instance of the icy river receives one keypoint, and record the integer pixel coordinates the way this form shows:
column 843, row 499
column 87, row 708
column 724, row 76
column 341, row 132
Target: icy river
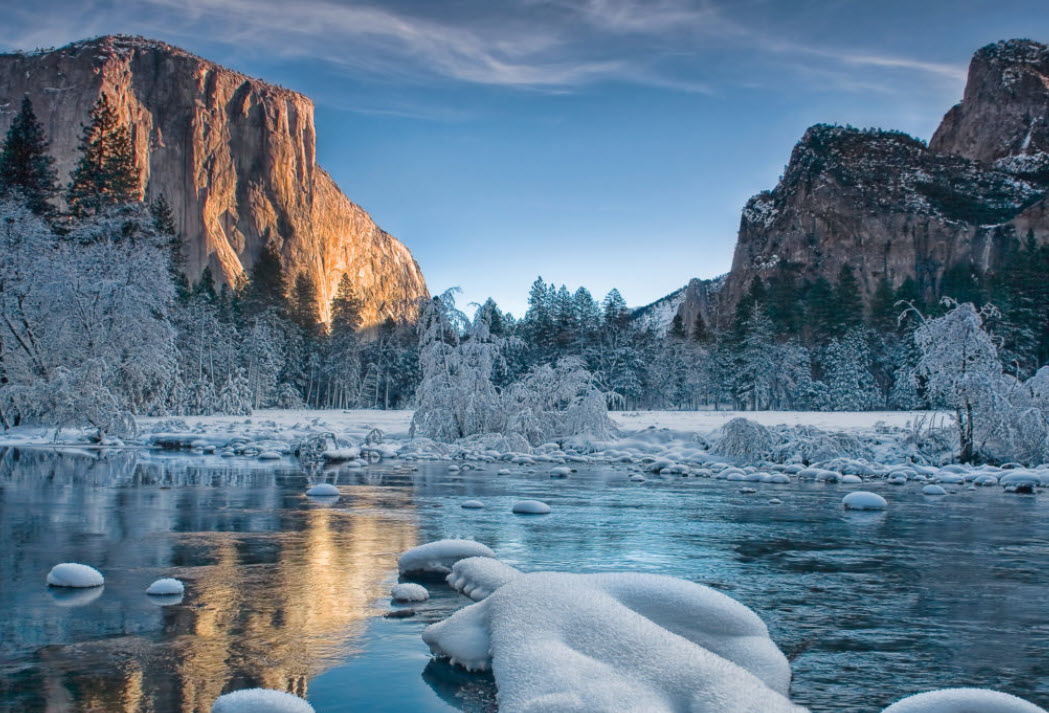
column 287, row 593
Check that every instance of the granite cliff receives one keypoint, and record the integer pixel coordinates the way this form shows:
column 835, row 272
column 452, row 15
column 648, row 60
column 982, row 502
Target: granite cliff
column 235, row 158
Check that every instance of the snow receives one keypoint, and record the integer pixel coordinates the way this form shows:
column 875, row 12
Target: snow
column 963, row 700
column 438, row 557
column 166, row 587
column 260, row 700
column 409, row 592
column 478, row 577
column 324, row 490
column 562, row 471
column 472, row 505
column 563, row 643
column 864, row 500
column 933, row 490
column 72, row 574
column 531, row 507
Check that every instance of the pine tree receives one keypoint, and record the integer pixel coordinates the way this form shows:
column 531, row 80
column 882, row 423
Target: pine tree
column 304, row 310
column 267, row 287
column 345, row 308
column 677, row 328
column 848, row 302
column 820, row 310
column 25, row 164
column 700, row 332
column 164, row 223
column 883, row 312
column 614, row 309
column 106, row 174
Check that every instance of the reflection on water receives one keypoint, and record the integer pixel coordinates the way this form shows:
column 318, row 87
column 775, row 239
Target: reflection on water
column 277, row 589
column 284, row 592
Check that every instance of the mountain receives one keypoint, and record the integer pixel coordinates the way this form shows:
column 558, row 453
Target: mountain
column 890, row 206
column 233, row 156
column 698, row 297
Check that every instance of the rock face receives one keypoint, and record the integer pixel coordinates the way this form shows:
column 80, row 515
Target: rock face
column 233, row 156
column 890, row 206
column 698, row 297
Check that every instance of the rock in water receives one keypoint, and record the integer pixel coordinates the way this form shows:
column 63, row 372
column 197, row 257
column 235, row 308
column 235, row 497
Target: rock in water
column 166, row 587
column 863, row 500
column 260, row 700
column 234, row 157
column 74, row 575
column 963, row 700
column 409, row 592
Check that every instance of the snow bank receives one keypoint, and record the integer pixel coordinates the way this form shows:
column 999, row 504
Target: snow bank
column 478, row 577
column 963, row 700
column 531, row 507
column 598, row 643
column 863, row 500
column 71, row 574
column 409, row 592
column 323, row 490
column 260, row 700
column 166, row 587
column 438, row 557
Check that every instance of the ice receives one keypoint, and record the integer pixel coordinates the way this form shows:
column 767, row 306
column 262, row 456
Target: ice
column 963, row 700
column 598, row 643
column 864, row 500
column 478, row 577
column 438, row 557
column 531, row 507
column 166, row 587
column 324, row 490
column 472, row 504
column 409, row 592
column 260, row 700
column 71, row 574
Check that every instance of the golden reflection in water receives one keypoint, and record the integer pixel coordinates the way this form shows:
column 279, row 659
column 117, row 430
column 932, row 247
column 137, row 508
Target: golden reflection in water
column 275, row 624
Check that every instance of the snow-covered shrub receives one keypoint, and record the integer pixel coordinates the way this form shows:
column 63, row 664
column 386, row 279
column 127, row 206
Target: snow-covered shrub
column 812, row 445
column 557, row 401
column 746, row 440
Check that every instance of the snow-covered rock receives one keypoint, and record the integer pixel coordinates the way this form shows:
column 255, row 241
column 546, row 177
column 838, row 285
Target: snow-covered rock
column 531, row 507
column 74, row 575
column 260, row 700
column 933, row 490
column 562, row 471
column 323, row 490
column 269, row 455
column 409, row 592
column 864, row 500
column 603, row 643
column 472, row 505
column 478, row 577
column 166, row 587
column 963, row 700
column 438, row 557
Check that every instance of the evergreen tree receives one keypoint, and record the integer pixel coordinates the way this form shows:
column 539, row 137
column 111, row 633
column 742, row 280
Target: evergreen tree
column 493, row 317
column 783, row 302
column 700, row 333
column 883, row 312
column 267, row 287
column 164, row 222
column 303, row 306
column 677, row 328
column 756, row 295
column 205, row 287
column 614, row 310
column 25, row 164
column 106, row 174
column 821, row 320
column 345, row 308
column 848, row 302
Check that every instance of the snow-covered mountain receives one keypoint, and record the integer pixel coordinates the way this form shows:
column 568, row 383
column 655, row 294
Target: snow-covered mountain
column 233, row 156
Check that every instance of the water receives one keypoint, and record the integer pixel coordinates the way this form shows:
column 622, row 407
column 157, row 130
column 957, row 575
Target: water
column 286, row 593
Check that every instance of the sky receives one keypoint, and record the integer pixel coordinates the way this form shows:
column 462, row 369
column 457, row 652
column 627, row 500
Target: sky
column 602, row 143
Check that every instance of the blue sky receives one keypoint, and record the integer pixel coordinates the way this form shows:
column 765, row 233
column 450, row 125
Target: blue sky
column 595, row 142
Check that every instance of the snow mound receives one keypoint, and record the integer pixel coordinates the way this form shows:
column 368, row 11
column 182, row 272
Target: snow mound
column 963, row 700
column 269, row 455
column 260, row 700
column 531, row 507
column 166, row 587
column 409, row 592
column 438, row 557
column 598, row 643
column 323, row 490
column 864, row 500
column 478, row 577
column 562, row 471
column 472, row 504
column 933, row 490
column 71, row 574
